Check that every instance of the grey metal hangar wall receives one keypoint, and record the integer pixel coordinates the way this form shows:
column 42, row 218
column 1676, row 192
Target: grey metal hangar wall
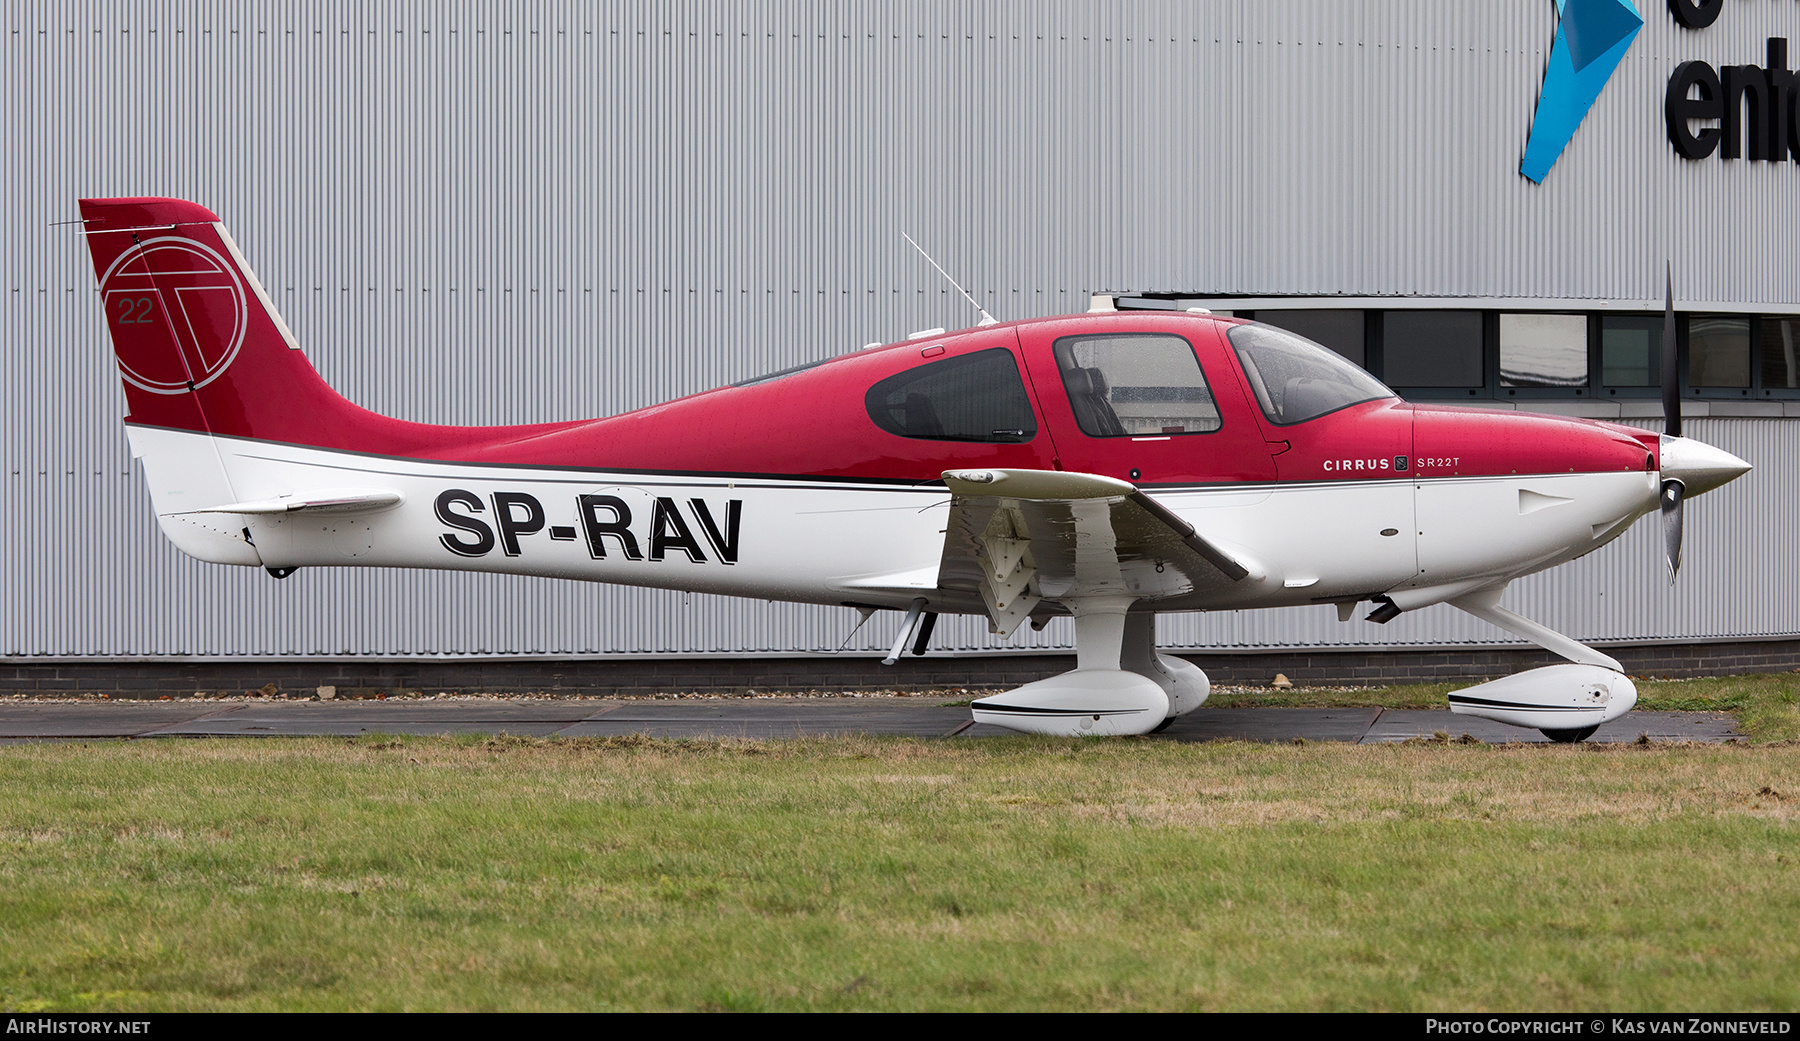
column 481, row 214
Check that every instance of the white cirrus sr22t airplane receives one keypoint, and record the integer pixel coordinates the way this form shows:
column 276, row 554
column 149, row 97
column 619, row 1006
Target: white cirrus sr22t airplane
column 1105, row 466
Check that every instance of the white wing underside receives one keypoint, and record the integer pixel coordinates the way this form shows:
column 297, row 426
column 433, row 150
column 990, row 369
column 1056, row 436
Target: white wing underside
column 1024, row 539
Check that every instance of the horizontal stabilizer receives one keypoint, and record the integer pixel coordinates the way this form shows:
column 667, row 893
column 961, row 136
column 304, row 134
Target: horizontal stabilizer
column 336, row 500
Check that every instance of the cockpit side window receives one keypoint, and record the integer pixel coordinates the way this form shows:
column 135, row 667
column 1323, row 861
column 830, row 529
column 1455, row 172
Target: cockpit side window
column 1135, row 385
column 1295, row 379
column 973, row 397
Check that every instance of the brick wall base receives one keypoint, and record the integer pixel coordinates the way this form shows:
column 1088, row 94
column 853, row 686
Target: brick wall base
column 642, row 677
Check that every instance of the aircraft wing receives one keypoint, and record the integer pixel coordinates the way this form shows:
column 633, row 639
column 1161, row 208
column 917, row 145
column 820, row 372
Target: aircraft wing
column 1019, row 537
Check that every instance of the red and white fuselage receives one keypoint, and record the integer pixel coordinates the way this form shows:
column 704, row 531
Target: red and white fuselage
column 830, row 485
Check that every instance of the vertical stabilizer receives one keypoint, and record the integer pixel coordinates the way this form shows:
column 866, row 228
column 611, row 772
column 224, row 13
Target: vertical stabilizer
column 201, row 347
column 198, row 345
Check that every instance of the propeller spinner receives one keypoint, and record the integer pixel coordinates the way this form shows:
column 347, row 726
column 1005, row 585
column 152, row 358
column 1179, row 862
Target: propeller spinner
column 1688, row 467
column 1673, row 491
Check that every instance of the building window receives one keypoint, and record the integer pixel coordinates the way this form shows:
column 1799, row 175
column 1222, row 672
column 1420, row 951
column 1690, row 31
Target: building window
column 1339, row 330
column 1459, row 355
column 1543, row 350
column 1630, row 351
column 1718, row 351
column 1781, row 354
column 1432, row 349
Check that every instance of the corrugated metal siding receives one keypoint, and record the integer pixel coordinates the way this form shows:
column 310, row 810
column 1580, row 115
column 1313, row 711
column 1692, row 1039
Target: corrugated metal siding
column 481, row 214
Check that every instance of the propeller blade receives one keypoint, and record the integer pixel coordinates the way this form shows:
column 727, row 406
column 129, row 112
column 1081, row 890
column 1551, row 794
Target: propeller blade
column 1672, row 494
column 1671, row 375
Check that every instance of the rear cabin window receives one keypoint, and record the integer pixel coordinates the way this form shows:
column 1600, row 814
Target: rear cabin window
column 974, row 397
column 1144, row 385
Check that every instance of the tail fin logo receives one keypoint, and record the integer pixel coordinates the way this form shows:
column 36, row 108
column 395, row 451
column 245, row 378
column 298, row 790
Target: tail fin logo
column 177, row 312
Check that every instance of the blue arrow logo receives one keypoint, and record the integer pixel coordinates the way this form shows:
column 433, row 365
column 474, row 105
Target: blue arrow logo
column 1592, row 37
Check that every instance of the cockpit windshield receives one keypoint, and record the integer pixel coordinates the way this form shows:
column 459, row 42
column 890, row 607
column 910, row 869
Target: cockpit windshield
column 1295, row 379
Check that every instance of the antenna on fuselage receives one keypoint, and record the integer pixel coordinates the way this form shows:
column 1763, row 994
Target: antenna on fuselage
column 986, row 319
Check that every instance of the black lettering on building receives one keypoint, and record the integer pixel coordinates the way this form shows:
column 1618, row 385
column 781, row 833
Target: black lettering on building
column 1781, row 101
column 1679, row 108
column 726, row 544
column 669, row 530
column 1746, row 113
column 512, row 525
column 484, row 536
column 615, row 525
column 1696, row 14
column 1757, row 109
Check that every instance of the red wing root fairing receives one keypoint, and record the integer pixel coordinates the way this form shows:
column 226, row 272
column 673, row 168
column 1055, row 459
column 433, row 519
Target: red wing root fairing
column 1103, row 466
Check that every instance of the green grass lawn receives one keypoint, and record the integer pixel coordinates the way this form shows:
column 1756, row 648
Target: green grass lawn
column 892, row 874
column 1767, row 705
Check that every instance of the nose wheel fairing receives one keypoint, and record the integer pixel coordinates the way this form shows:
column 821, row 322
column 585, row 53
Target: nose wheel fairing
column 1567, row 702
column 1554, row 699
